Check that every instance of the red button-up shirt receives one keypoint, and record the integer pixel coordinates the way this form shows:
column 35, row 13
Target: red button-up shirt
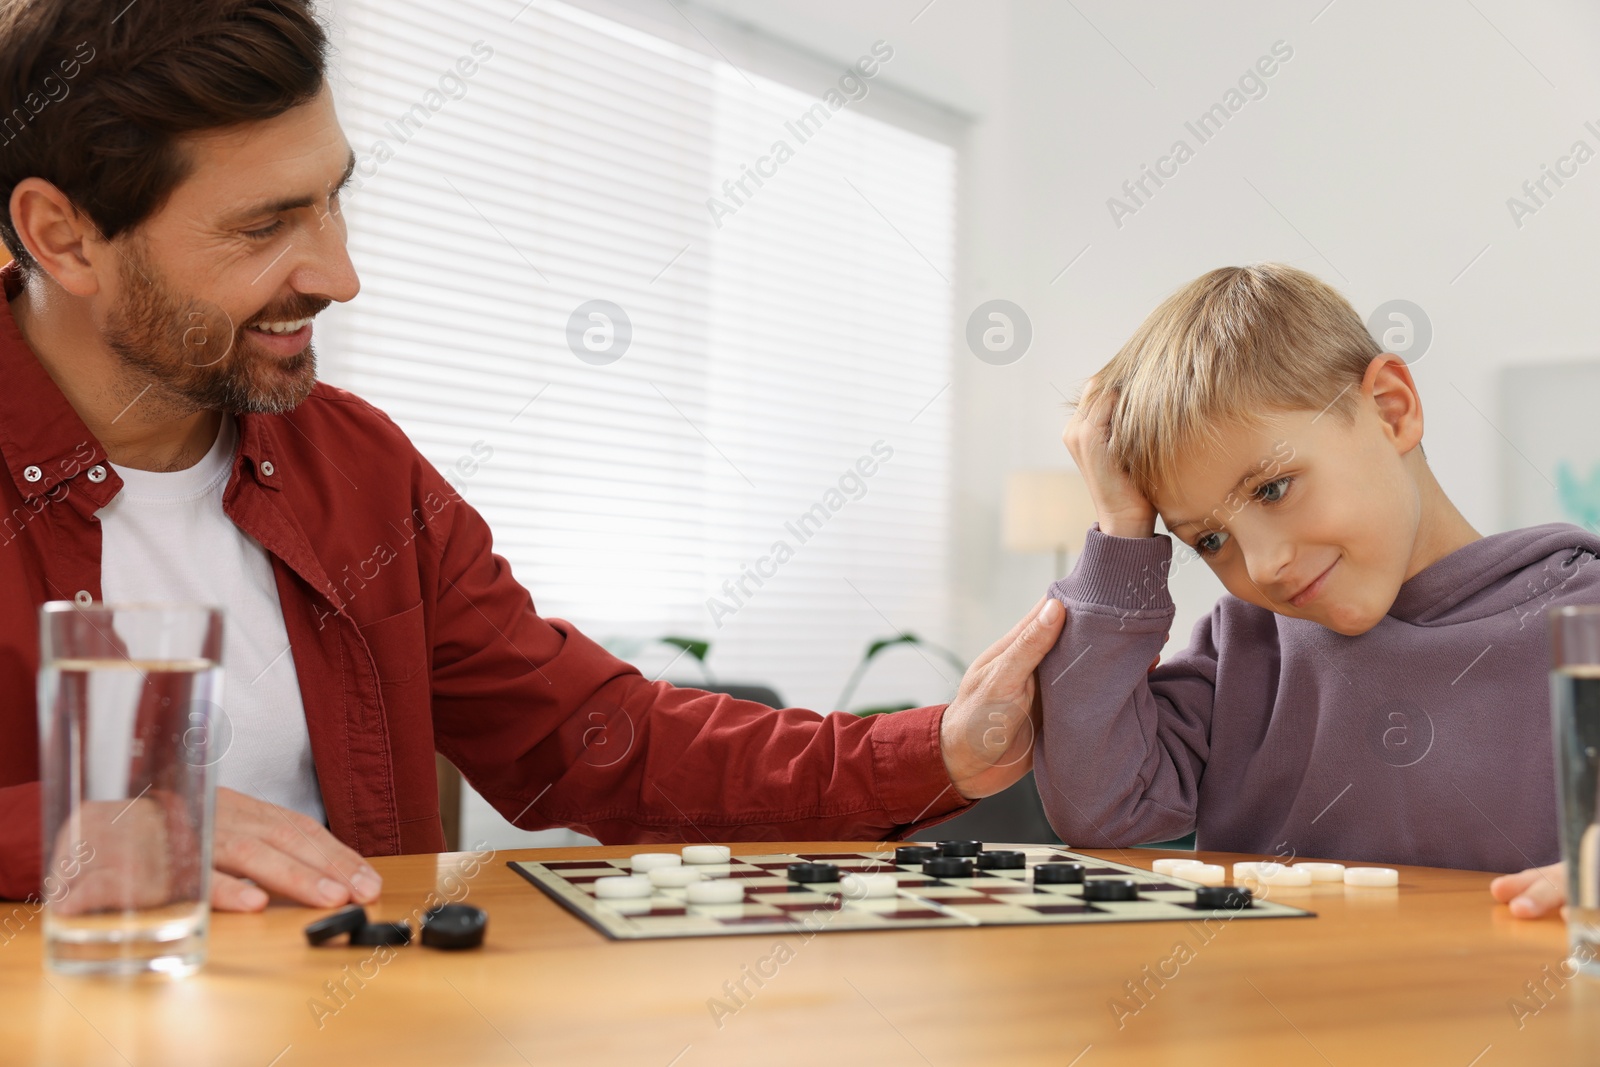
column 410, row 635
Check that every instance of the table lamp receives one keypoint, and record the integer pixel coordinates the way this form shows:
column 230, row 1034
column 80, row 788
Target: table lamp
column 1045, row 511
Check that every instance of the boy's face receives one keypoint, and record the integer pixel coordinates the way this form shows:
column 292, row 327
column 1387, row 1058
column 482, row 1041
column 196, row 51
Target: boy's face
column 1323, row 523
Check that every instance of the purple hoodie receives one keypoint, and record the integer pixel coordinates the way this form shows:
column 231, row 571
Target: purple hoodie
column 1425, row 740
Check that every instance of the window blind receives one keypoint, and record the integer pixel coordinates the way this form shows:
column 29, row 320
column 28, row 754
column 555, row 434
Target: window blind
column 515, row 166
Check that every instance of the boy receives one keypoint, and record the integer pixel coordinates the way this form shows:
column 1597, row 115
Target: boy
column 1373, row 688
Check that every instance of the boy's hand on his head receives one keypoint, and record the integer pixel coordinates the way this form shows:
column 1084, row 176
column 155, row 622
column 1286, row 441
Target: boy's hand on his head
column 1122, row 510
column 988, row 731
column 1533, row 893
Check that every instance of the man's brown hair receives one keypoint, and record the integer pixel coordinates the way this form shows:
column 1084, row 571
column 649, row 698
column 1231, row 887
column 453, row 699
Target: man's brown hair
column 95, row 94
column 1232, row 346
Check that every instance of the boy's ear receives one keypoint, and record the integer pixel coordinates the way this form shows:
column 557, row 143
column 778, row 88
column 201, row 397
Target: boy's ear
column 1388, row 383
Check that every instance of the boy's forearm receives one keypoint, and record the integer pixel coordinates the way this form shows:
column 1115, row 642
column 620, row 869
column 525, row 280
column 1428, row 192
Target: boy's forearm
column 1107, row 770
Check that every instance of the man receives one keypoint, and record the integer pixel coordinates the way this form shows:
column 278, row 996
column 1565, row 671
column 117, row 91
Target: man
column 172, row 173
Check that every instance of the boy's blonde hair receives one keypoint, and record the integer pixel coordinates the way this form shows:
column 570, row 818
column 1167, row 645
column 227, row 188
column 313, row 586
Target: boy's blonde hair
column 1230, row 347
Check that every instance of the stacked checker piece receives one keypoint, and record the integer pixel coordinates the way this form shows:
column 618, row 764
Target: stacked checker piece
column 1280, row 875
column 706, row 891
column 1300, row 875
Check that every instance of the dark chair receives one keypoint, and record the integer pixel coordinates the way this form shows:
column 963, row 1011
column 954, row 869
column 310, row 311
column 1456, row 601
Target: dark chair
column 1015, row 814
column 1187, row 841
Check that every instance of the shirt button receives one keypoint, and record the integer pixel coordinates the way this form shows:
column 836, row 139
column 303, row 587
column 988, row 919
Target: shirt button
column 82, row 598
column 32, row 474
column 267, row 468
column 97, row 474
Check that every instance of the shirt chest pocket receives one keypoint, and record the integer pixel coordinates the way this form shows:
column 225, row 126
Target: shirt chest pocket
column 399, row 647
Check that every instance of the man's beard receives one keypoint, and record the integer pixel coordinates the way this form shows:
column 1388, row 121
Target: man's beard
column 195, row 356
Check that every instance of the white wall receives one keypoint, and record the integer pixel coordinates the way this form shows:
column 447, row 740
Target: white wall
column 1381, row 158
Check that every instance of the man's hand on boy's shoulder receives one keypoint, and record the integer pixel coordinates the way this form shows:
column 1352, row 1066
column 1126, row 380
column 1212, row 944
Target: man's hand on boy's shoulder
column 1532, row 893
column 988, row 731
column 1122, row 509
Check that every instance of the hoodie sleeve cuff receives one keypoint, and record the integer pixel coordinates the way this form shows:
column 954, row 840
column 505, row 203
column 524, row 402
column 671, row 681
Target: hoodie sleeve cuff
column 1124, row 573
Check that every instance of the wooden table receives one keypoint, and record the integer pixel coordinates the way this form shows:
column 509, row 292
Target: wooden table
column 1426, row 974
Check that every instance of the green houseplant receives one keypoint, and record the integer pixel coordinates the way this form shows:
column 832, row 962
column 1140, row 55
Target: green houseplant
column 699, row 650
column 873, row 650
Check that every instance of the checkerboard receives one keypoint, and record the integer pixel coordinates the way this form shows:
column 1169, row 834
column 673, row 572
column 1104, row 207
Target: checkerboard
column 773, row 904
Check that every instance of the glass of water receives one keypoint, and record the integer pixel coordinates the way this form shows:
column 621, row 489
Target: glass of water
column 1575, row 703
column 128, row 706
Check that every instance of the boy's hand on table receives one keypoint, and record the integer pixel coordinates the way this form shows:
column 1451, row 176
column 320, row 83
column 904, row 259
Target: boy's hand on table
column 988, row 731
column 1121, row 509
column 1533, row 893
column 282, row 852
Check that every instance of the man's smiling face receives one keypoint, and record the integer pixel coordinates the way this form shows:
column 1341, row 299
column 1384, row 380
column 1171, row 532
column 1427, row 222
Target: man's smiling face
column 214, row 293
column 1307, row 515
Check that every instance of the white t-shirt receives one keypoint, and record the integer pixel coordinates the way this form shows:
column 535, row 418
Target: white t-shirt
column 165, row 538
